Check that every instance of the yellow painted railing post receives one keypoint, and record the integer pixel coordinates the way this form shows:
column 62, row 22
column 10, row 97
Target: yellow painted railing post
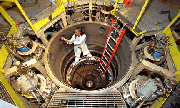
column 7, row 17
column 140, row 15
column 24, row 14
column 114, row 10
column 172, row 22
column 138, row 19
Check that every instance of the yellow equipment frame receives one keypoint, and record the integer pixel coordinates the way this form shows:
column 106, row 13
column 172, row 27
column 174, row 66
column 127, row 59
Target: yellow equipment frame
column 3, row 56
column 3, row 52
column 38, row 25
column 175, row 54
column 173, row 49
column 13, row 30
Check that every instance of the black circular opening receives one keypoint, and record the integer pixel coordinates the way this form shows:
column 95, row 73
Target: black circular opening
column 87, row 76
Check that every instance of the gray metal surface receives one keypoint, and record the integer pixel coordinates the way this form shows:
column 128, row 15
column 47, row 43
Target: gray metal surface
column 150, row 17
column 79, row 99
column 35, row 10
column 4, row 30
column 147, row 89
column 43, row 9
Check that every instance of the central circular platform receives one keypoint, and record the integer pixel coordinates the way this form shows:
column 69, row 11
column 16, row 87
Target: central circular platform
column 87, row 76
column 59, row 58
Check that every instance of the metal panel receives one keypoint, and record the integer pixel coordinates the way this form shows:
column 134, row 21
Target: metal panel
column 150, row 17
column 86, row 99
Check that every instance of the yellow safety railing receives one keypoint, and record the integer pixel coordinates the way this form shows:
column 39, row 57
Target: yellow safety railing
column 22, row 11
column 115, row 6
column 44, row 21
column 141, row 13
column 138, row 19
column 9, row 19
column 24, row 14
column 59, row 10
column 35, row 27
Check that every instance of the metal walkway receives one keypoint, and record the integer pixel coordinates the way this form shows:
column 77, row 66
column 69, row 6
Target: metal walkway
column 87, row 99
column 4, row 94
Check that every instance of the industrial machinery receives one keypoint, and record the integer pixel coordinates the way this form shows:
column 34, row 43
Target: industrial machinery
column 40, row 66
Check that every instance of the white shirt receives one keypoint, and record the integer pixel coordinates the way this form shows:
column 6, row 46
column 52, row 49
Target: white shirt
column 78, row 40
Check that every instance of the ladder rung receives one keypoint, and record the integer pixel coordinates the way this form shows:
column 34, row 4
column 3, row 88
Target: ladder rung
column 117, row 29
column 113, row 39
column 107, row 53
column 110, row 46
column 101, row 70
column 102, row 66
column 106, row 59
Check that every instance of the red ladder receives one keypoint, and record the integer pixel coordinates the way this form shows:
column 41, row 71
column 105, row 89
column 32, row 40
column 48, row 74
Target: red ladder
column 114, row 50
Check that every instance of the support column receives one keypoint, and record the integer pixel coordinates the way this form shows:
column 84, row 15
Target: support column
column 90, row 10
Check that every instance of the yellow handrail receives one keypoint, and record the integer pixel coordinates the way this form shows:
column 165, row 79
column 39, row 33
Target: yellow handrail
column 138, row 19
column 25, row 16
column 22, row 11
column 114, row 10
column 7, row 17
column 141, row 13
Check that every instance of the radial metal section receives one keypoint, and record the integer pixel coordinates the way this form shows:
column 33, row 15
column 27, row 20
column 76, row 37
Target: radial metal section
column 59, row 58
column 87, row 76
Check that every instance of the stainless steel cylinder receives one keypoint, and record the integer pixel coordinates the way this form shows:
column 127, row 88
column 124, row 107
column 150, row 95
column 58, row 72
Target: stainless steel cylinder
column 59, row 56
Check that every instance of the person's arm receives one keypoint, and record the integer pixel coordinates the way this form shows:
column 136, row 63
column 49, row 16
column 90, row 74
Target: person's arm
column 83, row 38
column 69, row 41
column 72, row 39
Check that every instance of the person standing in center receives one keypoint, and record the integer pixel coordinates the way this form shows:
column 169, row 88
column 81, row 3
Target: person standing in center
column 79, row 44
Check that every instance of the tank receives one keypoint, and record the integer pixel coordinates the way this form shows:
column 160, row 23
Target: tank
column 59, row 57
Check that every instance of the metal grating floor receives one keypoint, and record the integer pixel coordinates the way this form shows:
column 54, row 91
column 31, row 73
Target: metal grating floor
column 4, row 94
column 87, row 99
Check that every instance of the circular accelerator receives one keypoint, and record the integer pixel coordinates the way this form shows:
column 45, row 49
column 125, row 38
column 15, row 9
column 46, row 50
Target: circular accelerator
column 59, row 58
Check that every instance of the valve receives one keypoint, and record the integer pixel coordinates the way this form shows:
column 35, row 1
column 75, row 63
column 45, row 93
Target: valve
column 127, row 2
